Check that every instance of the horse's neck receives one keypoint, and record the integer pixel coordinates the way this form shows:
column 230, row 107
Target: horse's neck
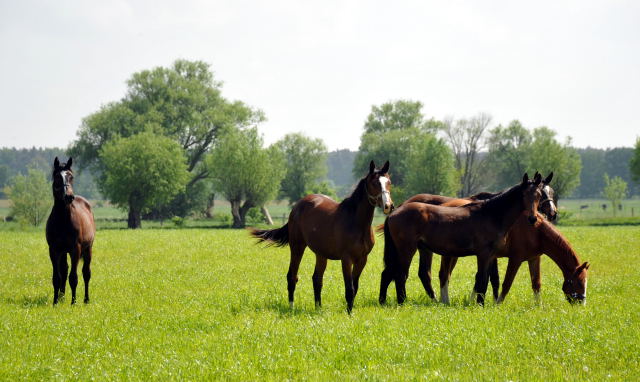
column 61, row 209
column 506, row 207
column 558, row 249
column 364, row 213
column 359, row 207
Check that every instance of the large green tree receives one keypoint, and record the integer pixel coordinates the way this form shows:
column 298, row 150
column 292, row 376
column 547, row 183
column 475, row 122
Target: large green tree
column 397, row 115
column 182, row 102
column 30, row 197
column 431, row 168
column 246, row 173
column 515, row 150
column 306, row 165
column 141, row 172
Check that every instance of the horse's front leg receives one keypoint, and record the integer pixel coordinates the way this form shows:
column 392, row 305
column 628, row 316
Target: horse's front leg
column 447, row 263
column 55, row 277
column 509, row 276
column 358, row 267
column 73, row 275
column 86, row 272
column 482, row 277
column 534, row 272
column 318, row 273
column 349, row 292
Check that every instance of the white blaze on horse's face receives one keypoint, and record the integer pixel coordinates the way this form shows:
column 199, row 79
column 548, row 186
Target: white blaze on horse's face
column 386, row 197
column 547, row 191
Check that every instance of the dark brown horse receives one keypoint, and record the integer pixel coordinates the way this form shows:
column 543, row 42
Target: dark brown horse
column 335, row 231
column 546, row 206
column 478, row 228
column 70, row 229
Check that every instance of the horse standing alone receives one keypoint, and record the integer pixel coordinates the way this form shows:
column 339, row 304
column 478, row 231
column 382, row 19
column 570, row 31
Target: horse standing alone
column 335, row 231
column 70, row 229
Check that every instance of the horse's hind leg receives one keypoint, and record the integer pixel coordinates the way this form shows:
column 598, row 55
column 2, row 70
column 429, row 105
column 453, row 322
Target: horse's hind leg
column 494, row 277
column 424, row 271
column 63, row 269
column 297, row 250
column 86, row 272
column 482, row 278
column 385, row 280
column 55, row 278
column 318, row 273
column 73, row 275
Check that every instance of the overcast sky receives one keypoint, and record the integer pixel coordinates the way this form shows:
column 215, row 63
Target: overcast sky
column 318, row 67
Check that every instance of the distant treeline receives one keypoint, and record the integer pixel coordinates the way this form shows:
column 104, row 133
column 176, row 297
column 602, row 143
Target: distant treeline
column 17, row 161
column 595, row 163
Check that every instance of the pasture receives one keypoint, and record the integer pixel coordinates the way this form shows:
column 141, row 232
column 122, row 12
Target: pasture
column 209, row 304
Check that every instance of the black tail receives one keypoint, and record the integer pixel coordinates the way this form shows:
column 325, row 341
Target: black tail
column 390, row 252
column 278, row 237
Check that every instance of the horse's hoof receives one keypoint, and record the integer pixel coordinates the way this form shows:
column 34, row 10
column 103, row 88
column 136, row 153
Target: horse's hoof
column 86, row 300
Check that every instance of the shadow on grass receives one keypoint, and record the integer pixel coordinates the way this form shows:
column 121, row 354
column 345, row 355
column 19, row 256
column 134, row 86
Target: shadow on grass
column 29, row 301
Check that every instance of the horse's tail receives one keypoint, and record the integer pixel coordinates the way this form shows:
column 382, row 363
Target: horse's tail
column 278, row 237
column 390, row 251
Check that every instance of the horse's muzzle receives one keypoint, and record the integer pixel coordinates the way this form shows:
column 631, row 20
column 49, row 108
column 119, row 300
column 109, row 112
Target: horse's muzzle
column 576, row 298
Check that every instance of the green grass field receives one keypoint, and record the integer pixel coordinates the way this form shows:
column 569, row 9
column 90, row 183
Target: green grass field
column 209, row 304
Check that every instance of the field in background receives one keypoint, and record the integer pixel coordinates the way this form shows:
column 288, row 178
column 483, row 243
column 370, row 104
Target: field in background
column 210, row 304
column 110, row 217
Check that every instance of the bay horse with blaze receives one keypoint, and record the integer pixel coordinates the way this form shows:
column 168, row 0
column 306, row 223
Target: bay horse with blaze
column 333, row 231
column 70, row 229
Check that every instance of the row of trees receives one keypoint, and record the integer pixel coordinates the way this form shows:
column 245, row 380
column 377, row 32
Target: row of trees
column 173, row 143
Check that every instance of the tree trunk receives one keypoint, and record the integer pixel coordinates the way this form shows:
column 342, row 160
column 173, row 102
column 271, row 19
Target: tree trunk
column 239, row 213
column 208, row 212
column 267, row 215
column 134, row 219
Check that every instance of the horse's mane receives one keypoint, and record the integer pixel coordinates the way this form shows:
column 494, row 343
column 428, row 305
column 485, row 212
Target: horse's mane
column 499, row 197
column 553, row 236
column 484, row 195
column 350, row 203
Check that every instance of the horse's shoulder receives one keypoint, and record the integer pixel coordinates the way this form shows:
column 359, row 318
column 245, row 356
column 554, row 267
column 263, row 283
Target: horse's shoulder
column 80, row 201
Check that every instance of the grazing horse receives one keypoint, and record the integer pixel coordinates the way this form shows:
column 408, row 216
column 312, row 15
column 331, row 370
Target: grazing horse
column 524, row 243
column 478, row 228
column 70, row 229
column 335, row 231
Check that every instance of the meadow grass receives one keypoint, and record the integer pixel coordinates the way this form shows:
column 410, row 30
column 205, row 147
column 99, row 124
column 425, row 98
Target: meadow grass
column 210, row 304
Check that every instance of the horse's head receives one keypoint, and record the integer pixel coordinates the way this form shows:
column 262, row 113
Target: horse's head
column 575, row 286
column 531, row 193
column 547, row 205
column 63, row 181
column 378, row 187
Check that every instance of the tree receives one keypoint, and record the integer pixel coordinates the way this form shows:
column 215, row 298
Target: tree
column 141, row 172
column 306, row 165
column 515, row 150
column 247, row 174
column 547, row 154
column 615, row 189
column 508, row 155
column 30, row 197
column 4, row 178
column 397, row 115
column 431, row 168
column 182, row 102
column 634, row 163
column 465, row 137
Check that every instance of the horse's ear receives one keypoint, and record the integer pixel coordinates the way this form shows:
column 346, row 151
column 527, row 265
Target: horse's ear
column 69, row 163
column 525, row 178
column 385, row 168
column 547, row 180
column 56, row 163
column 372, row 167
column 586, row 265
column 537, row 179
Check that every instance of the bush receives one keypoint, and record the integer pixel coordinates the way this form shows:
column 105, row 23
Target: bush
column 178, row 221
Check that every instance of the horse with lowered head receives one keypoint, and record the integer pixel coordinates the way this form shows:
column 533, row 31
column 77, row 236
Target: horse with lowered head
column 70, row 230
column 478, row 228
column 333, row 231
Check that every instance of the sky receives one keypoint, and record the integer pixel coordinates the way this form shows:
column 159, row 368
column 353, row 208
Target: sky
column 318, row 67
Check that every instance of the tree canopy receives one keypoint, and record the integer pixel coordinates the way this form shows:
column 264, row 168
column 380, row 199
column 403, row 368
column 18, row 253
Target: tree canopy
column 141, row 172
column 182, row 102
column 397, row 115
column 615, row 189
column 305, row 165
column 634, row 162
column 247, row 174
